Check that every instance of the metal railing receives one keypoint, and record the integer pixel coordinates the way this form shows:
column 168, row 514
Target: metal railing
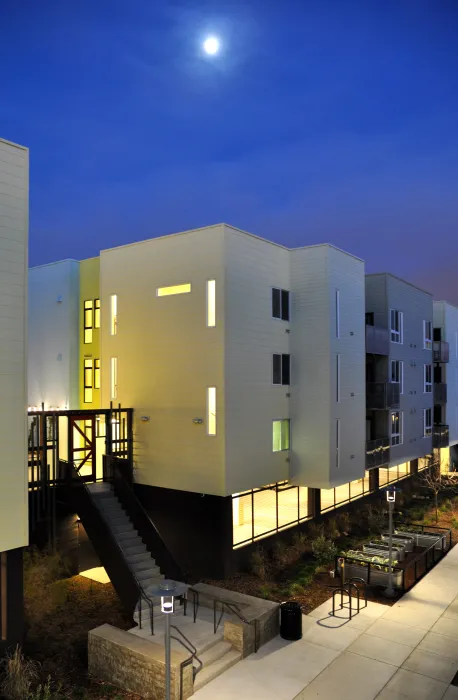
column 377, row 340
column 107, row 546
column 189, row 646
column 441, row 351
column 377, row 452
column 440, row 392
column 232, row 608
column 440, row 436
column 382, row 395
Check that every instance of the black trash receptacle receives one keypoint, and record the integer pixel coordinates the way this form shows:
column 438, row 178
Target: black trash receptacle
column 290, row 621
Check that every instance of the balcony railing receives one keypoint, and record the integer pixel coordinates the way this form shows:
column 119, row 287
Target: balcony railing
column 440, row 351
column 440, row 392
column 377, row 340
column 440, row 436
column 377, row 452
column 382, row 395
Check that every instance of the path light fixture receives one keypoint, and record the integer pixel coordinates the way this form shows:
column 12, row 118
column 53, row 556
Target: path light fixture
column 391, row 498
column 167, row 592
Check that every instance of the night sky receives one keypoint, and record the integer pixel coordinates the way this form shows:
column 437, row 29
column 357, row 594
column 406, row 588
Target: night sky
column 319, row 121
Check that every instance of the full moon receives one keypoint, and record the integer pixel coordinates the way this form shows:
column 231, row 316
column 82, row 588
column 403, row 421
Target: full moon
column 211, row 45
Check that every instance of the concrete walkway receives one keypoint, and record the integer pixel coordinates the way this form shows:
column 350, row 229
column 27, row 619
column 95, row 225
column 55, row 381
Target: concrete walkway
column 407, row 651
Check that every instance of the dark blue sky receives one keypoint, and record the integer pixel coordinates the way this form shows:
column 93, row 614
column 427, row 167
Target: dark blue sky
column 321, row 121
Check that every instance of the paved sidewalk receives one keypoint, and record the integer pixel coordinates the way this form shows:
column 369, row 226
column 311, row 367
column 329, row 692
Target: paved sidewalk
column 407, row 651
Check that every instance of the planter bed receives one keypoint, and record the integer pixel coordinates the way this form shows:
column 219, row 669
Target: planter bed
column 426, row 539
column 407, row 541
column 398, row 551
column 377, row 577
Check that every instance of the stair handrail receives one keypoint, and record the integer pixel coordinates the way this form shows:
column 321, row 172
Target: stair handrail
column 173, row 570
column 74, row 472
column 189, row 646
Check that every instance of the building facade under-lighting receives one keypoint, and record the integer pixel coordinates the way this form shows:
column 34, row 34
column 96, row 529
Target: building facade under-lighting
column 263, row 379
column 14, row 192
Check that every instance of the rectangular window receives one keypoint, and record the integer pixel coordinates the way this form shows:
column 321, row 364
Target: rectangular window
column 97, row 313
column 114, row 314
column 427, row 422
column 397, row 329
column 337, row 313
column 456, row 345
column 396, row 428
column 173, row 289
column 427, row 335
column 88, row 380
column 211, row 410
column 88, row 321
column 427, row 376
column 337, row 443
column 114, row 377
column 96, row 374
column 281, row 369
column 338, row 378
column 280, row 304
column 211, row 303
column 397, row 374
column 280, row 435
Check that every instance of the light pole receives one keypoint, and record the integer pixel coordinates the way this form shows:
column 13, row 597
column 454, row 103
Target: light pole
column 390, row 497
column 167, row 592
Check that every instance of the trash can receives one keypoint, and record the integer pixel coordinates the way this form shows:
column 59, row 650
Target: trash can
column 290, row 621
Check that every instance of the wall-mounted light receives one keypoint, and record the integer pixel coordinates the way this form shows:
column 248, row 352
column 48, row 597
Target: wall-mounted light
column 60, row 299
column 144, row 419
column 197, row 421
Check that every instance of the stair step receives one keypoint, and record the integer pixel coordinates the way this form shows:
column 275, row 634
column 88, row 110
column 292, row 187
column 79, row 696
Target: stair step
column 147, row 583
column 214, row 653
column 215, row 669
column 137, row 558
column 145, row 574
column 147, row 564
column 122, row 528
column 123, row 537
column 132, row 547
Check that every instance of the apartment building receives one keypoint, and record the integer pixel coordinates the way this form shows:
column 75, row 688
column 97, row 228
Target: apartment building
column 245, row 363
column 14, row 182
column 445, row 358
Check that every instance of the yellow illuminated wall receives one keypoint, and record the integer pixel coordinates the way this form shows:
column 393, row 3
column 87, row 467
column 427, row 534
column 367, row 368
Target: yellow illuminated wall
column 89, row 292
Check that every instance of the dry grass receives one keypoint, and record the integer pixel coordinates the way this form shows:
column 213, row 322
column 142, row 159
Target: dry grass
column 18, row 675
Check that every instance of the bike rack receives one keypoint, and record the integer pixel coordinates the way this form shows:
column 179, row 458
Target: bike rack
column 347, row 589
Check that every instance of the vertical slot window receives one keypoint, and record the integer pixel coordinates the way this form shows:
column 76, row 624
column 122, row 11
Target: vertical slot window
column 281, row 370
column 280, row 435
column 211, row 410
column 96, row 374
column 96, row 313
column 114, row 314
column 280, row 304
column 428, row 379
column 338, row 443
column 427, row 422
column 338, row 378
column 88, row 380
column 88, row 320
column 427, row 335
column 114, row 378
column 211, row 303
column 337, row 313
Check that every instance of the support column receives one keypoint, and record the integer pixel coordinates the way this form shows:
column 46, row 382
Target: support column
column 373, row 480
column 314, row 502
column 11, row 599
column 413, row 466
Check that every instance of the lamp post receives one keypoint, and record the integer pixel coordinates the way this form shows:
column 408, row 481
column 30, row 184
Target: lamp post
column 391, row 498
column 167, row 592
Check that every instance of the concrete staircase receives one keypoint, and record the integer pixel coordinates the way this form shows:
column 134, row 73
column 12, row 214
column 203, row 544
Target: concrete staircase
column 139, row 560
column 216, row 659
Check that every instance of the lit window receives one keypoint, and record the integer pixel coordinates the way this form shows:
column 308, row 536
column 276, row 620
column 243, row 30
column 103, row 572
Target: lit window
column 338, row 443
column 427, row 335
column 96, row 374
column 281, row 369
column 337, row 313
column 396, row 428
column 427, row 422
column 88, row 321
column 427, row 375
column 338, row 378
column 397, row 323
column 397, row 374
column 280, row 435
column 88, row 380
column 211, row 410
column 113, row 314
column 280, row 304
column 97, row 313
column 114, row 377
column 174, row 289
column 211, row 303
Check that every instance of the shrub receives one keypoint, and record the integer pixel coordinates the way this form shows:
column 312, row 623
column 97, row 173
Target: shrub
column 47, row 691
column 455, row 523
column 305, row 574
column 265, row 591
column 19, row 675
column 324, row 551
column 295, row 589
column 45, row 589
column 315, row 530
column 259, row 564
column 301, row 543
column 331, row 530
column 376, row 518
column 343, row 522
column 284, row 554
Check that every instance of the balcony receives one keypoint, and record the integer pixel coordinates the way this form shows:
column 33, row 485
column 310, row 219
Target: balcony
column 377, row 340
column 381, row 396
column 440, row 436
column 440, row 393
column 377, row 452
column 440, row 351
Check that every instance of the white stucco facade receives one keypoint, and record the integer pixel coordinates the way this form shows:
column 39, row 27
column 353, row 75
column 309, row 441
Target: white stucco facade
column 14, row 196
